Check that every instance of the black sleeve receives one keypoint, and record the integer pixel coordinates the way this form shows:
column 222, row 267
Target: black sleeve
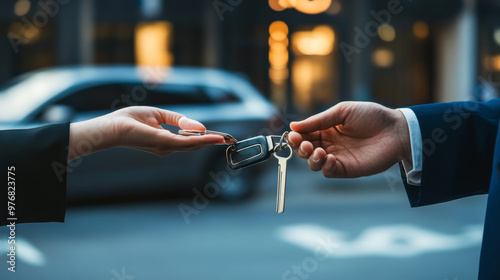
column 458, row 141
column 33, row 174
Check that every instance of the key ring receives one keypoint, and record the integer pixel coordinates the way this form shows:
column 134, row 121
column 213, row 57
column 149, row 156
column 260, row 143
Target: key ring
column 282, row 145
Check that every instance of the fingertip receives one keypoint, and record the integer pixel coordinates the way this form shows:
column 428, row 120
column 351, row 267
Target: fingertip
column 316, row 160
column 320, row 153
column 305, row 149
column 300, row 126
column 328, row 168
column 330, row 160
column 294, row 138
column 306, row 126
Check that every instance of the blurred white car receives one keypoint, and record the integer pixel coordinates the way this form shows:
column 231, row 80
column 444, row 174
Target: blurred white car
column 221, row 100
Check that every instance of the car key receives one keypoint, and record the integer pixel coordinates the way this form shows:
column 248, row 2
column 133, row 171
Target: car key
column 250, row 151
column 282, row 166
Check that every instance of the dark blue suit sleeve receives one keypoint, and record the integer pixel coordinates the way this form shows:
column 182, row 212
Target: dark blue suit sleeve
column 458, row 141
column 37, row 160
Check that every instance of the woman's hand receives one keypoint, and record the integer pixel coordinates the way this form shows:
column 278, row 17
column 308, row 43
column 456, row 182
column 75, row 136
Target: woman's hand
column 137, row 128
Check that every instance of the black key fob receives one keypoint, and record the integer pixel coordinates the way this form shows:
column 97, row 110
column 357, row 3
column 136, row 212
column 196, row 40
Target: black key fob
column 248, row 152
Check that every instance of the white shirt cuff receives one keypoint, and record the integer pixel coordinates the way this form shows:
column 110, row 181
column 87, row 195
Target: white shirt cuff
column 413, row 169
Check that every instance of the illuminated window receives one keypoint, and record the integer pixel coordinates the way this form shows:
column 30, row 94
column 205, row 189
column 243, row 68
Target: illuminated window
column 275, row 5
column 314, row 72
column 386, row 32
column 312, row 6
column 383, row 58
column 22, row 7
column 319, row 41
column 307, row 6
column 420, row 29
column 278, row 60
column 29, row 35
column 152, row 43
column 494, row 63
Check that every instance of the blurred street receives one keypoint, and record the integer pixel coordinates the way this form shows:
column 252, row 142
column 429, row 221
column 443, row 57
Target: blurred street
column 364, row 229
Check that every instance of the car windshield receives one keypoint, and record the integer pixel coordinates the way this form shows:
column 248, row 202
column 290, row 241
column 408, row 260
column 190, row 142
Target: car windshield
column 22, row 95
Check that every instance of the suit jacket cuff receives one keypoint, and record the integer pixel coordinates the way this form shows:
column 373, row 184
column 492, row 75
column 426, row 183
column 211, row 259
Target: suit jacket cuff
column 413, row 170
column 39, row 157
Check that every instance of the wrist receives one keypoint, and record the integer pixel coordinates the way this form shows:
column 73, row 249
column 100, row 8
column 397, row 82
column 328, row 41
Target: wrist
column 87, row 137
column 75, row 149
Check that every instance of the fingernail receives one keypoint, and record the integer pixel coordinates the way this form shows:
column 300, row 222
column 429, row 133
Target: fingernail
column 315, row 158
column 327, row 162
column 187, row 123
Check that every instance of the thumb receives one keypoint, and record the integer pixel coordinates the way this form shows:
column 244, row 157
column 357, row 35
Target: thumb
column 174, row 118
column 187, row 123
column 324, row 120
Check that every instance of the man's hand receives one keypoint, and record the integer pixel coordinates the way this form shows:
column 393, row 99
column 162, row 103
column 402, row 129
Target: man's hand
column 352, row 139
column 137, row 128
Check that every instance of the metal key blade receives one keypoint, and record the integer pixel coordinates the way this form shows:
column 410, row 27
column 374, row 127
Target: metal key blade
column 282, row 166
column 280, row 199
column 229, row 139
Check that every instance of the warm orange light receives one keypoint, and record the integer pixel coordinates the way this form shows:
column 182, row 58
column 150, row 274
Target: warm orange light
column 303, row 76
column 279, row 35
column 152, row 43
column 278, row 75
column 283, row 42
column 275, row 5
column 278, row 30
column 386, row 32
column 31, row 35
column 278, row 59
column 22, row 7
column 495, row 62
column 311, row 6
column 277, row 47
column 420, row 29
column 319, row 41
column 285, row 4
column 383, row 58
column 16, row 28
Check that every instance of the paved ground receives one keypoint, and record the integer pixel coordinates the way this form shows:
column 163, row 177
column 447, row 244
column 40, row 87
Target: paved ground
column 331, row 229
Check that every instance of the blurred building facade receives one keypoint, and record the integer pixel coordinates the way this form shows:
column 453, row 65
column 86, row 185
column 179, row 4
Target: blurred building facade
column 306, row 55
